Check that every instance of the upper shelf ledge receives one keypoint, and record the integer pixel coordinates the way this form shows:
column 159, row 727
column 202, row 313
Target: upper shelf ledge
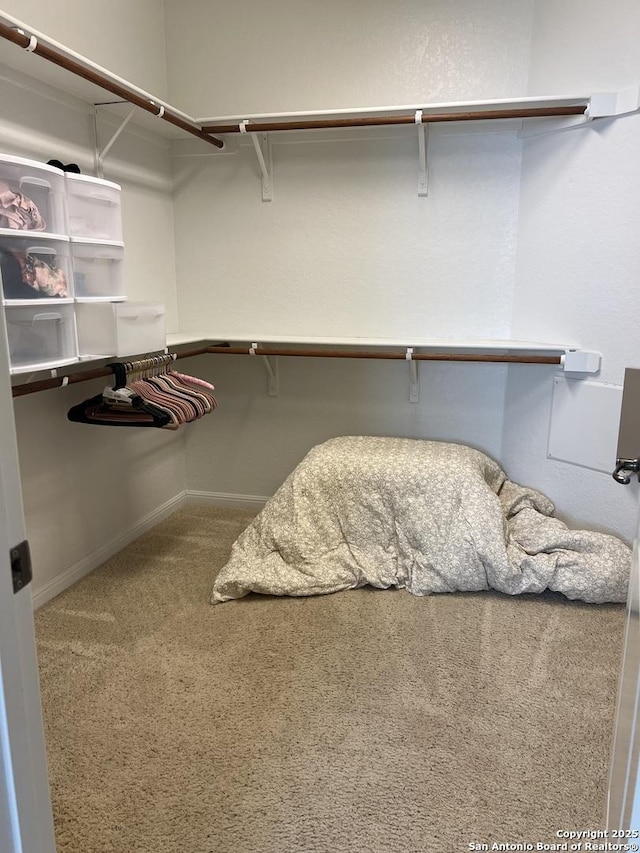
column 600, row 105
column 34, row 42
column 468, row 344
column 573, row 360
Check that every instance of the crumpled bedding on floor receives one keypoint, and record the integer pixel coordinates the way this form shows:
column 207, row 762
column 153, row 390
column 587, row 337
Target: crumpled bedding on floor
column 426, row 516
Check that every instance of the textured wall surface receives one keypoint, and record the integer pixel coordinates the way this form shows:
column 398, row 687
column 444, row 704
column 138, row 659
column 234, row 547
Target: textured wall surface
column 346, row 248
column 124, row 37
column 578, row 253
column 225, row 58
column 250, row 444
column 583, row 46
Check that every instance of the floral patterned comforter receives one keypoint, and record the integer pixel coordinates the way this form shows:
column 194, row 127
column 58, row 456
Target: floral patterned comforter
column 427, row 516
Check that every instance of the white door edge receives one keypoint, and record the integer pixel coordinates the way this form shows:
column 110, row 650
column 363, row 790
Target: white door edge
column 26, row 821
column 623, row 794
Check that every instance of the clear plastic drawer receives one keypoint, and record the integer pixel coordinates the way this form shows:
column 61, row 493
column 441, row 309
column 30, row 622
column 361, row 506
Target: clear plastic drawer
column 41, row 336
column 98, row 270
column 35, row 267
column 32, row 196
column 119, row 328
column 94, row 208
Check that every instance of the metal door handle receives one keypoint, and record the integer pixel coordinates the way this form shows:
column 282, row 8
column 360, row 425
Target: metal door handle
column 632, row 465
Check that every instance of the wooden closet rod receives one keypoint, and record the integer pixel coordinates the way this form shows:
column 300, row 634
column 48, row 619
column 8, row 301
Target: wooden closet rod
column 57, row 58
column 368, row 121
column 97, row 373
column 416, row 356
column 82, row 376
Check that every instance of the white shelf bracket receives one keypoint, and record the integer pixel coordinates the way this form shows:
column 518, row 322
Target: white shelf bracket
column 271, row 368
column 601, row 105
column 581, row 361
column 423, row 138
column 534, row 127
column 414, row 384
column 607, row 104
column 265, row 160
column 100, row 155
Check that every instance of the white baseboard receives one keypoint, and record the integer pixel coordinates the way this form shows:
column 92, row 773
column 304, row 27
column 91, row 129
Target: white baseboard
column 255, row 502
column 96, row 558
column 100, row 555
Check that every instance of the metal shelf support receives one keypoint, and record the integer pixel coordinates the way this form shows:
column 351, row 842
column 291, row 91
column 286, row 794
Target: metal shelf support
column 262, row 148
column 271, row 368
column 423, row 138
column 100, row 155
column 414, row 382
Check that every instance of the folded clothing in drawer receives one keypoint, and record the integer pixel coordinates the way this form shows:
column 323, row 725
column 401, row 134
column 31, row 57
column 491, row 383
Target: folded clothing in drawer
column 41, row 336
column 34, row 267
column 32, row 196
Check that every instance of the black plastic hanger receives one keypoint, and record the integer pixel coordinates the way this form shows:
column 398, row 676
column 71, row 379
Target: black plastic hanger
column 131, row 411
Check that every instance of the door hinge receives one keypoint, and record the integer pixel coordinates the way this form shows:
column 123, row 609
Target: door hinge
column 21, row 571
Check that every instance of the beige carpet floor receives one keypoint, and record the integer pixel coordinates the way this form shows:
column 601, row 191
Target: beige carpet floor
column 368, row 720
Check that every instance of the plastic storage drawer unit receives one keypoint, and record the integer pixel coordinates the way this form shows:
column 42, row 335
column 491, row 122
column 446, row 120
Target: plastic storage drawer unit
column 35, row 267
column 32, row 196
column 41, row 336
column 119, row 328
column 94, row 208
column 98, row 270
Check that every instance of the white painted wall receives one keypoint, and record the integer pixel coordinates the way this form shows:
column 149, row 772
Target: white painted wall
column 578, row 252
column 128, row 38
column 346, row 247
column 224, row 58
column 86, row 487
column 250, row 444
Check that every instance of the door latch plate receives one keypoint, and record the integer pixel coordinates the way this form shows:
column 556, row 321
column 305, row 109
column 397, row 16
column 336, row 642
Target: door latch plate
column 21, row 570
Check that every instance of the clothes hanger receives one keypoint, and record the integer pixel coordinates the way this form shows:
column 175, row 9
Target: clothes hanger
column 147, row 393
column 117, row 406
column 163, row 386
column 140, row 381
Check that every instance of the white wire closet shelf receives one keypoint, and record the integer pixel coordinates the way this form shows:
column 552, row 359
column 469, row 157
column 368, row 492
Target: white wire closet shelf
column 35, row 53
column 585, row 105
column 449, row 344
column 570, row 357
column 572, row 360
